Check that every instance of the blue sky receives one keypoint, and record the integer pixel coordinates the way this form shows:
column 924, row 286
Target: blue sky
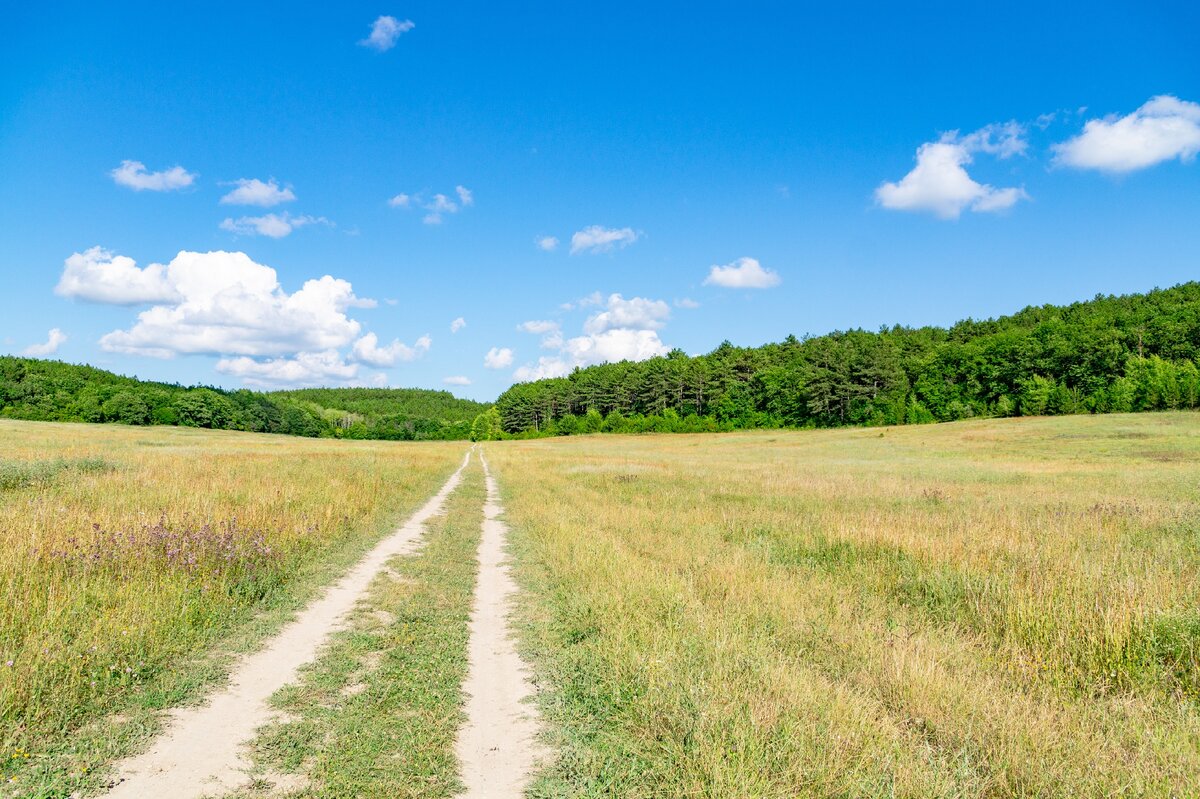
column 727, row 171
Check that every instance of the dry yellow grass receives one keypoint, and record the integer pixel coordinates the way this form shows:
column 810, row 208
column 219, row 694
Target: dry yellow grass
column 1000, row 608
column 101, row 607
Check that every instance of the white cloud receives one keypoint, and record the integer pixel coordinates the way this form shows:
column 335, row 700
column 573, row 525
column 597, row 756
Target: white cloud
column 54, row 339
column 99, row 276
column 275, row 226
column 610, row 346
column 597, row 239
column 619, row 344
column 305, row 369
column 545, row 367
column 595, row 298
column 498, row 358
column 939, row 183
column 458, row 324
column 626, row 330
column 686, row 302
column 385, row 31
column 551, row 332
column 457, row 380
column 223, row 303
column 744, row 273
column 546, row 243
column 133, row 174
column 367, row 350
column 1163, row 129
column 437, row 207
column 538, row 326
column 441, row 204
column 637, row 313
column 255, row 192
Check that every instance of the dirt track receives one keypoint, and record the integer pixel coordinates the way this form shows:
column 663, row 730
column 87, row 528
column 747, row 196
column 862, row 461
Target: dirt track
column 202, row 752
column 497, row 747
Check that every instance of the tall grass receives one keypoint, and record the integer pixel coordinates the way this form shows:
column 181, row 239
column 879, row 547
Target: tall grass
column 127, row 553
column 1001, row 608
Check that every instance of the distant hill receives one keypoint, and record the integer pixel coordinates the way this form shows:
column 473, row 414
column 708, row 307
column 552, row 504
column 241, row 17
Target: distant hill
column 1129, row 353
column 375, row 402
column 55, row 391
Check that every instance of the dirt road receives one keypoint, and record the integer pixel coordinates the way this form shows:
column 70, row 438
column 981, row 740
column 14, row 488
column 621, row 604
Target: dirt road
column 497, row 747
column 202, row 752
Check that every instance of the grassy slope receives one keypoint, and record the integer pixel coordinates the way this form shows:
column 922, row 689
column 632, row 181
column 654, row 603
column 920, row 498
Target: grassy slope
column 1003, row 608
column 135, row 633
column 375, row 402
column 377, row 713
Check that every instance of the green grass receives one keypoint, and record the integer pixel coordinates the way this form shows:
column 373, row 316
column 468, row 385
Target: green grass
column 1000, row 608
column 70, row 629
column 37, row 473
column 378, row 712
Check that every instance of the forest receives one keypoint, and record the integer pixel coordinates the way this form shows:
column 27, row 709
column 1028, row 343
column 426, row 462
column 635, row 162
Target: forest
column 55, row 391
column 1109, row 354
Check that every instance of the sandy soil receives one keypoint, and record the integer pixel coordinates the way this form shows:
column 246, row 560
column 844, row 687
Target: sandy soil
column 497, row 746
column 202, row 751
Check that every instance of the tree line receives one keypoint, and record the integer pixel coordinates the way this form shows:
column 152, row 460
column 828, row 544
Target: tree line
column 1109, row 354
column 55, row 391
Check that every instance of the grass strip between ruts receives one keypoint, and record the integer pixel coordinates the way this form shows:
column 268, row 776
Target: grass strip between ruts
column 377, row 714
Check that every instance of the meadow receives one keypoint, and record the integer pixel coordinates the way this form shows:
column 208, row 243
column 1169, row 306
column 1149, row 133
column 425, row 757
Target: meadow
column 993, row 608
column 989, row 608
column 134, row 560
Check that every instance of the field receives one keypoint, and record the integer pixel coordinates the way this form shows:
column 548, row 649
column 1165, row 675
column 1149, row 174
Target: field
column 129, row 554
column 979, row 609
column 1000, row 608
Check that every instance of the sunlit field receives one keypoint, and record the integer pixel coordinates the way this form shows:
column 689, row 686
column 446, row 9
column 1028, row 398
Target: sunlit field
column 128, row 552
column 996, row 608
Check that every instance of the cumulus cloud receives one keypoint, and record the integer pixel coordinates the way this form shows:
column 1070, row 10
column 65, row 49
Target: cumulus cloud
column 1163, row 129
column 546, row 243
column 436, row 207
column 637, row 313
column 305, row 369
column 545, row 367
column 538, row 326
column 597, row 239
column 457, row 380
column 385, row 31
column 498, row 358
column 99, row 276
column 686, row 302
column 625, row 330
column 620, row 344
column 940, row 184
column 254, row 192
column 54, row 339
column 744, row 273
column 223, row 303
column 595, row 298
column 275, row 226
column 458, row 324
column 551, row 332
column 367, row 350
column 133, row 174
